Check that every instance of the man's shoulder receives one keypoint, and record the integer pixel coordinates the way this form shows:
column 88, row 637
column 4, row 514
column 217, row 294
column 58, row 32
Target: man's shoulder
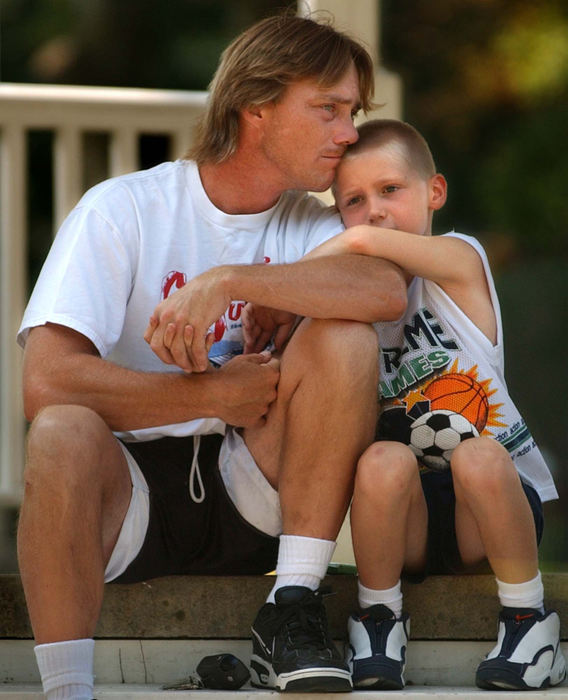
column 163, row 176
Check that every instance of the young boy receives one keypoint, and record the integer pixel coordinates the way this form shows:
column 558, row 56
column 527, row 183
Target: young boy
column 477, row 494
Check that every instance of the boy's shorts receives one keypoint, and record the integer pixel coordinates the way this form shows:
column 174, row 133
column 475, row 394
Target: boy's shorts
column 443, row 553
column 200, row 530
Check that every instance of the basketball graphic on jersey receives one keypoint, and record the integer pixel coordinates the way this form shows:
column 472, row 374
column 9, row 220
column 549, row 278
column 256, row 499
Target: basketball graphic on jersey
column 459, row 393
column 434, row 417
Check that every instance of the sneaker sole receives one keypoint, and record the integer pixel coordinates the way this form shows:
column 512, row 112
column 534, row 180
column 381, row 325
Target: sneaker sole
column 372, row 674
column 499, row 676
column 311, row 680
column 378, row 683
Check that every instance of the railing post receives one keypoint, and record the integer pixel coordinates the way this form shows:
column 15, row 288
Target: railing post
column 123, row 152
column 68, row 172
column 13, row 250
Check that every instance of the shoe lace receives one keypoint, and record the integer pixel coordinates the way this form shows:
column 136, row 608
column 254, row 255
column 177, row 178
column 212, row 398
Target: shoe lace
column 305, row 622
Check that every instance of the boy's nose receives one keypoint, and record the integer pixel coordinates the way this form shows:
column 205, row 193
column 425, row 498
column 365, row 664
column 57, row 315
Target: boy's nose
column 376, row 215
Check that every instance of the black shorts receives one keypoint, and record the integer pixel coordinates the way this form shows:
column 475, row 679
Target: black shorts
column 185, row 537
column 443, row 554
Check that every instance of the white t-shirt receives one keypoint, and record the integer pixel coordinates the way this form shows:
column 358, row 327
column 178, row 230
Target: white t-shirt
column 133, row 240
column 435, row 358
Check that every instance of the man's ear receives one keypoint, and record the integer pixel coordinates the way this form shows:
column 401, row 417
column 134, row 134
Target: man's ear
column 438, row 192
column 254, row 114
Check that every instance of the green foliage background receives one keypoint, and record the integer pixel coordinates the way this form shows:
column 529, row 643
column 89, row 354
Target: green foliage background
column 486, row 81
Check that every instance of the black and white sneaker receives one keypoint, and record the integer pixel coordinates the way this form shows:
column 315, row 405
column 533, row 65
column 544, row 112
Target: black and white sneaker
column 527, row 655
column 377, row 648
column 292, row 649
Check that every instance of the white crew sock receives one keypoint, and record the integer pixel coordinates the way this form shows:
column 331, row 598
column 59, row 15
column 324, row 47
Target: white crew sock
column 302, row 561
column 391, row 597
column 66, row 669
column 529, row 594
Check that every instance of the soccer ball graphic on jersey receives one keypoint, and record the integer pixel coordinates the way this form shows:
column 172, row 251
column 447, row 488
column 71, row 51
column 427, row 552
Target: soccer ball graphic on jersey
column 435, row 435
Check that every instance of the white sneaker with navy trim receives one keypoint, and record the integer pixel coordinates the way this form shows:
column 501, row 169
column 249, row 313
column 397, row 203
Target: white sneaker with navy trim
column 376, row 652
column 527, row 654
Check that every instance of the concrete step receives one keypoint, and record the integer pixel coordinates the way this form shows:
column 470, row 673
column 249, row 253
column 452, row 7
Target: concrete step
column 150, row 692
column 156, row 632
column 147, row 665
column 222, row 607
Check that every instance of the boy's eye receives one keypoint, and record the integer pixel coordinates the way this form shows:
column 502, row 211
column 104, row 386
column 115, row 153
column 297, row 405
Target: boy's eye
column 353, row 200
column 390, row 188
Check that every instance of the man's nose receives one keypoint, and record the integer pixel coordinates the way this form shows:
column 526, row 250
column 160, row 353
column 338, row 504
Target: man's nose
column 347, row 134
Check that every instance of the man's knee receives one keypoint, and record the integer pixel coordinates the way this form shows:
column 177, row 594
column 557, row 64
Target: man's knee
column 333, row 347
column 63, row 445
column 339, row 335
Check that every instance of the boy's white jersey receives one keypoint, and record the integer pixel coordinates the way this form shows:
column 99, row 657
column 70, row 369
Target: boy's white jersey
column 135, row 239
column 435, row 358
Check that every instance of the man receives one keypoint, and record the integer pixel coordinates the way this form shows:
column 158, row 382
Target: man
column 220, row 229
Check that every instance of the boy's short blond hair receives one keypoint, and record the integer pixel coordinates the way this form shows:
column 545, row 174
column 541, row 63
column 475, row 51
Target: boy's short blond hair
column 257, row 67
column 376, row 133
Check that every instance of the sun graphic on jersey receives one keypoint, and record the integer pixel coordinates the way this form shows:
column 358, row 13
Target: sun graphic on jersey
column 460, row 392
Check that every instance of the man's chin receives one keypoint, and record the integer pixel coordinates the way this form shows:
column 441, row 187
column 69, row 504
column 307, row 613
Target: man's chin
column 322, row 185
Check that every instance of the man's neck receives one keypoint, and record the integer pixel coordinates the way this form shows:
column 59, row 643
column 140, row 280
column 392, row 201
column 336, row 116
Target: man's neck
column 236, row 187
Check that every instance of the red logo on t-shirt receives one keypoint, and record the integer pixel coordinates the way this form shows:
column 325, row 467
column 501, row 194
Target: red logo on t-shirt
column 172, row 281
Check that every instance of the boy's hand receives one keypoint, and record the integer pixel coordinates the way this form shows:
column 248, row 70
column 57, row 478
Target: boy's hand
column 261, row 325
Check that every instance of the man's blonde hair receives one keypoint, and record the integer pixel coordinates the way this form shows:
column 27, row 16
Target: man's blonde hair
column 376, row 133
column 259, row 64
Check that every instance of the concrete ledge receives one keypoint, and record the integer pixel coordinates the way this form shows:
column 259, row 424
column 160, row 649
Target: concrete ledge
column 142, row 664
column 209, row 607
column 153, row 692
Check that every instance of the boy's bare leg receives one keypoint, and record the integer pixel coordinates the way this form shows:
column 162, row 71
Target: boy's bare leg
column 493, row 516
column 77, row 492
column 321, row 422
column 389, row 518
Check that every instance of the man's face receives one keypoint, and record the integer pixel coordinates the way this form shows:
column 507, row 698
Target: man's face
column 379, row 188
column 306, row 132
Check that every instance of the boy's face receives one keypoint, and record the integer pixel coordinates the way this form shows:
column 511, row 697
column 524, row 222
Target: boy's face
column 379, row 188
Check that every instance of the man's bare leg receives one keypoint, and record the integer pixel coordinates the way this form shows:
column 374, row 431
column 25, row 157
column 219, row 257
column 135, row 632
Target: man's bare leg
column 77, row 492
column 323, row 419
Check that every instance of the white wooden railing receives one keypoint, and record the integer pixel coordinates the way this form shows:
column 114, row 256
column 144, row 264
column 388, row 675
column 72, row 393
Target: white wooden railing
column 69, row 113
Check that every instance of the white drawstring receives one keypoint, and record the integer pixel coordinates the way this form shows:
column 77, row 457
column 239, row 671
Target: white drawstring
column 195, row 473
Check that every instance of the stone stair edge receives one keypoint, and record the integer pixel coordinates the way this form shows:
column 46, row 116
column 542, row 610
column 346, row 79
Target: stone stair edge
column 195, row 607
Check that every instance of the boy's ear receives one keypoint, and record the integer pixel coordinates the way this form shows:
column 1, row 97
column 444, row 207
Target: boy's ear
column 438, row 192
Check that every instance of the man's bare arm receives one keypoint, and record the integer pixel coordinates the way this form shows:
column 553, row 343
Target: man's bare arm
column 62, row 366
column 354, row 287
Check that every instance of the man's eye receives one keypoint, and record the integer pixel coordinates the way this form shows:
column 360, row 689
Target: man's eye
column 390, row 188
column 328, row 107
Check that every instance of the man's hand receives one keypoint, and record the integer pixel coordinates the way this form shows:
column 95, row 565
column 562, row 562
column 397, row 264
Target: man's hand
column 246, row 389
column 178, row 329
column 261, row 324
